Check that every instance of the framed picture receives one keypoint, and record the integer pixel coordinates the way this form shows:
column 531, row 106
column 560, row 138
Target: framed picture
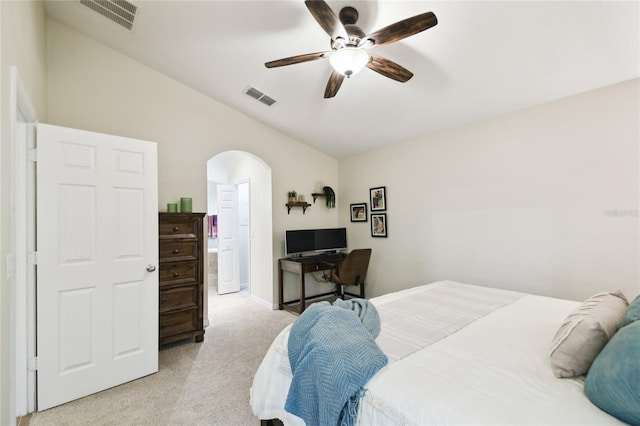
column 358, row 212
column 378, row 198
column 379, row 225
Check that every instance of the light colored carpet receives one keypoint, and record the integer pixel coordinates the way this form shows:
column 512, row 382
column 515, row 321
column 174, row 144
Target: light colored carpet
column 197, row 383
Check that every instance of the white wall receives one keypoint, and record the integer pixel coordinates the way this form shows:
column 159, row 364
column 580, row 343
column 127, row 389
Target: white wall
column 93, row 87
column 22, row 44
column 212, row 199
column 543, row 200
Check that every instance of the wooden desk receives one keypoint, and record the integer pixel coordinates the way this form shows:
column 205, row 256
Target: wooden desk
column 301, row 266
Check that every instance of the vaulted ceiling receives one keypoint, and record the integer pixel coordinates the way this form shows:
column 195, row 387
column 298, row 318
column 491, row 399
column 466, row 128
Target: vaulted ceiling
column 482, row 59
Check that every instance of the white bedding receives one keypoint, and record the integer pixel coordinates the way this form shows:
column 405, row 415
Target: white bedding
column 487, row 366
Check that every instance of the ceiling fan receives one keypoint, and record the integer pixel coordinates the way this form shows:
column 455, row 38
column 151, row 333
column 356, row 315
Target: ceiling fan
column 350, row 45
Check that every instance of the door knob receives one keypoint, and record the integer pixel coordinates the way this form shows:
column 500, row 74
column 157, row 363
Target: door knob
column 151, row 268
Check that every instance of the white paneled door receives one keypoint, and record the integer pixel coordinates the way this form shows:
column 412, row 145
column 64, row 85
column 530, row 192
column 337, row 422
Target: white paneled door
column 228, row 239
column 97, row 253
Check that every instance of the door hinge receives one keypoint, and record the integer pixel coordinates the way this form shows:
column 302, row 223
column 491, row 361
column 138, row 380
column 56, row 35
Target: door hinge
column 32, row 365
column 32, row 154
column 32, row 258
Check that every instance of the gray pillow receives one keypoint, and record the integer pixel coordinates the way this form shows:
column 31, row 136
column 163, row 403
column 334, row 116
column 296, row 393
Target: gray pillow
column 585, row 332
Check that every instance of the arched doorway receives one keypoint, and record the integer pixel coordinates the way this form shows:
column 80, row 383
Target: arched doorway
column 252, row 176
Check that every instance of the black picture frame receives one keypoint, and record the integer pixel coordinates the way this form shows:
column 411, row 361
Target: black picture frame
column 358, row 212
column 379, row 225
column 378, row 199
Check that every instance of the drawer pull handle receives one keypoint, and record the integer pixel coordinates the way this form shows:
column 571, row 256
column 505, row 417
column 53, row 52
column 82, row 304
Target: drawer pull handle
column 176, row 251
column 175, row 229
column 175, row 274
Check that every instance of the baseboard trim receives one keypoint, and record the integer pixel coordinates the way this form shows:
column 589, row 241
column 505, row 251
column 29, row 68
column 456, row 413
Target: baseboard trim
column 264, row 303
column 24, row 420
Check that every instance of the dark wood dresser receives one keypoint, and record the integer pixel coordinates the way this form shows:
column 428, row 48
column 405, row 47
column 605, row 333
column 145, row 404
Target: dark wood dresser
column 181, row 292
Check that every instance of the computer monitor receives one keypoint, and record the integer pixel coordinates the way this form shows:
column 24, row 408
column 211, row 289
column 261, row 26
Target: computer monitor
column 309, row 241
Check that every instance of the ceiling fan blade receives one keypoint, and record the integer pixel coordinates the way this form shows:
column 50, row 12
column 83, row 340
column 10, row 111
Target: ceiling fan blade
column 335, row 81
column 389, row 68
column 295, row 59
column 327, row 19
column 401, row 29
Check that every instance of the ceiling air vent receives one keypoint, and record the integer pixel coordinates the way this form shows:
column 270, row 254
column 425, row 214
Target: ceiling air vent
column 119, row 11
column 259, row 96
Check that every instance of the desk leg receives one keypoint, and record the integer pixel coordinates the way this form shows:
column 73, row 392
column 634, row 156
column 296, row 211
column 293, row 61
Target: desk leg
column 280, row 287
column 303, row 304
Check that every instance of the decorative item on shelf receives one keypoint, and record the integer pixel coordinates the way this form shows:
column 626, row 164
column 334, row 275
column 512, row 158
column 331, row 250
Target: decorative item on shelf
column 317, row 190
column 330, row 197
column 172, row 208
column 296, row 200
column 185, row 205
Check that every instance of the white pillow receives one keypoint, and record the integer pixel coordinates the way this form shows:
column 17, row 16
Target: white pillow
column 585, row 332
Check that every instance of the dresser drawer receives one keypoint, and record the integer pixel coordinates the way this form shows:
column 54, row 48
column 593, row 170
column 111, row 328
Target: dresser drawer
column 178, row 272
column 178, row 298
column 178, row 249
column 178, row 322
column 177, row 226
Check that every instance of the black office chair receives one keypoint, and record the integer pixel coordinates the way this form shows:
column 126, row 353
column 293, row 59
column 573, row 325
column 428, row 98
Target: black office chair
column 351, row 271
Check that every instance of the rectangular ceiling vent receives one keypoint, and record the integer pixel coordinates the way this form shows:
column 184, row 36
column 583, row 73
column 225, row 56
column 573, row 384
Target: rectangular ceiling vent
column 259, row 96
column 119, row 11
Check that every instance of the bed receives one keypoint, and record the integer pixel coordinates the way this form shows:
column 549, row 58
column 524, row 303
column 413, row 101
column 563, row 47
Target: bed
column 458, row 354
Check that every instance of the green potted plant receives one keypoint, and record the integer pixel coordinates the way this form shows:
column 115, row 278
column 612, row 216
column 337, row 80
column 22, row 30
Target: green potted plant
column 292, row 196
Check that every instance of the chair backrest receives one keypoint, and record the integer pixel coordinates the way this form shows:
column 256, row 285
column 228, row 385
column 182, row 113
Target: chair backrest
column 353, row 269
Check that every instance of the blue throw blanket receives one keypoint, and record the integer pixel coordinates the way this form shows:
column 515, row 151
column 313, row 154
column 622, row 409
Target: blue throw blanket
column 367, row 313
column 332, row 356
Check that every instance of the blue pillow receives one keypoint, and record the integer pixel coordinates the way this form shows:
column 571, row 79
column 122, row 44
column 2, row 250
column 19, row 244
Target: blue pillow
column 632, row 314
column 613, row 381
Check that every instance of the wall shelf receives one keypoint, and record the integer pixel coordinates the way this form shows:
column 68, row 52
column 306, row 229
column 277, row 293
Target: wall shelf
column 302, row 204
column 316, row 195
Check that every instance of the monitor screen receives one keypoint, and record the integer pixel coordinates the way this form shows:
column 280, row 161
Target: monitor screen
column 298, row 242
column 331, row 239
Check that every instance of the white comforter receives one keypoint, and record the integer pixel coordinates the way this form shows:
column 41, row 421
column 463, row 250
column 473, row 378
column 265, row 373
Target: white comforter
column 458, row 354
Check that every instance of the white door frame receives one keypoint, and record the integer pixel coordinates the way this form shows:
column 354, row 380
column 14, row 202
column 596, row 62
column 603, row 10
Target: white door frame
column 22, row 281
column 247, row 181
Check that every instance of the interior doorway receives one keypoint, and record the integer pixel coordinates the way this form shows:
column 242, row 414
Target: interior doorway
column 20, row 271
column 252, row 177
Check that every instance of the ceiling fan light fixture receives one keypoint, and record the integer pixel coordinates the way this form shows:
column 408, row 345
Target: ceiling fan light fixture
column 349, row 61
